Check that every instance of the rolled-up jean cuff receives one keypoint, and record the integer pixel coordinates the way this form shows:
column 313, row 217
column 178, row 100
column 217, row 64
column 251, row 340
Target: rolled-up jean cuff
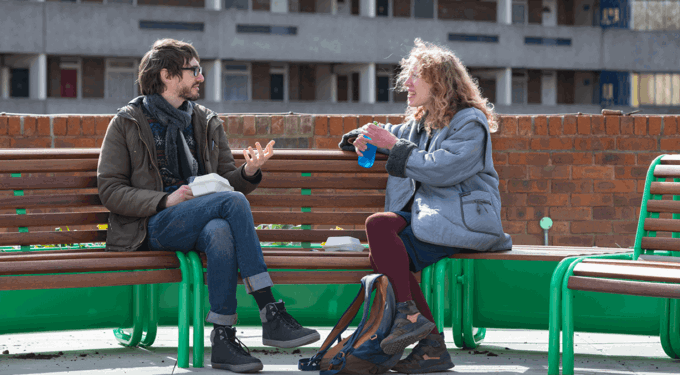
column 257, row 282
column 223, row 320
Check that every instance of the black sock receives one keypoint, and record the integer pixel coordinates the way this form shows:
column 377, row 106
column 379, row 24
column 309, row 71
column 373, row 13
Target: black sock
column 263, row 297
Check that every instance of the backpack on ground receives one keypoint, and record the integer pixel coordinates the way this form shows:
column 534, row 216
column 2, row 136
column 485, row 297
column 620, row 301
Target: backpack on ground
column 360, row 353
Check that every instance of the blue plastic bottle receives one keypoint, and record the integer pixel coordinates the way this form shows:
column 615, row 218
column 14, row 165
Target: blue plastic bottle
column 367, row 160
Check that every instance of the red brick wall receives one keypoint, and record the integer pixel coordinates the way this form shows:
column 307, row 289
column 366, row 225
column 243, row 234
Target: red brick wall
column 585, row 172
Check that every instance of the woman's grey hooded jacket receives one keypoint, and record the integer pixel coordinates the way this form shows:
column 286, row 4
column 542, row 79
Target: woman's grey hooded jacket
column 458, row 203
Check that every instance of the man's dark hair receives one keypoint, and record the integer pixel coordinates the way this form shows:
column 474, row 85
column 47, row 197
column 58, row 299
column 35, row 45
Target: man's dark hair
column 167, row 54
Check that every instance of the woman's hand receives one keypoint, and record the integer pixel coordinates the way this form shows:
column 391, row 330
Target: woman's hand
column 380, row 137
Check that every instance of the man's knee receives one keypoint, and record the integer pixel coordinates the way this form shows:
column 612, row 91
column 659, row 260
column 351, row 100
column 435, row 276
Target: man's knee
column 218, row 232
column 235, row 199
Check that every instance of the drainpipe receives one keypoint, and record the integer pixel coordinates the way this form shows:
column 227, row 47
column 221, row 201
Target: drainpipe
column 546, row 223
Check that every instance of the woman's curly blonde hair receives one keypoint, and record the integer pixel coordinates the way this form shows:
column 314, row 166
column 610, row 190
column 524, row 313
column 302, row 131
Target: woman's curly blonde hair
column 452, row 87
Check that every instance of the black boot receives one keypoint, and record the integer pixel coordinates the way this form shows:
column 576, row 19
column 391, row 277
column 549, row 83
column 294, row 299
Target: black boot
column 404, row 332
column 280, row 329
column 228, row 352
column 434, row 347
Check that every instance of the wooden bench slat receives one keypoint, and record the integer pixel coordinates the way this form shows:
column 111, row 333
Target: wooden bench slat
column 71, row 218
column 539, row 253
column 56, row 165
column 299, row 154
column 55, row 182
column 636, row 263
column 663, row 206
column 46, row 200
column 311, row 235
column 326, row 218
column 317, row 277
column 671, row 188
column 104, row 256
column 275, row 165
column 50, row 153
column 671, row 159
column 88, row 280
column 87, row 265
column 46, row 238
column 664, row 225
column 314, row 277
column 660, row 243
column 632, row 288
column 667, row 171
column 628, row 272
column 275, row 181
column 659, row 258
column 321, row 200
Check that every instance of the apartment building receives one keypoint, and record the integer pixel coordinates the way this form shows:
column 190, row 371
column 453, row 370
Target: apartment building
column 341, row 56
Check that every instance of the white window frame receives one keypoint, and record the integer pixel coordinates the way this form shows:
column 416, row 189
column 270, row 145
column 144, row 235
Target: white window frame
column 117, row 69
column 247, row 73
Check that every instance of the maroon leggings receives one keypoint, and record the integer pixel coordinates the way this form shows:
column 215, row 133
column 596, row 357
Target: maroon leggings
column 389, row 257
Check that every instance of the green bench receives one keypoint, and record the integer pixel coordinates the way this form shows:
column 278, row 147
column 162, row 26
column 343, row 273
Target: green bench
column 653, row 270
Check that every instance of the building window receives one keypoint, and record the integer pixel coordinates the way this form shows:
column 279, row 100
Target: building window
column 19, row 83
column 236, row 81
column 355, row 87
column 382, row 8
column 519, row 88
column 661, row 89
column 120, row 79
column 69, row 74
column 277, row 82
column 655, row 15
column 423, row 9
column 342, row 87
column 519, row 13
column 236, row 4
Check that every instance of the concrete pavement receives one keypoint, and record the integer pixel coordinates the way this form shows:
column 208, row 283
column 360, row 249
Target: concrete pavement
column 503, row 352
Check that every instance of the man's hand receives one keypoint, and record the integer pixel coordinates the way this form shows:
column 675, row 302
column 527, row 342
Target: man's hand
column 178, row 196
column 256, row 158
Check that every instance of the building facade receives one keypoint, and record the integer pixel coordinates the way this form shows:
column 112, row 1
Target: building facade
column 341, row 56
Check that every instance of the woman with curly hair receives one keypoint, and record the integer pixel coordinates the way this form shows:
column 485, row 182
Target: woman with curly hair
column 442, row 192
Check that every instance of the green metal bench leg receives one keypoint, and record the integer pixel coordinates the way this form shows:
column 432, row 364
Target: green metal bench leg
column 554, row 322
column 568, row 322
column 470, row 338
column 426, row 283
column 138, row 303
column 151, row 321
column 674, row 327
column 457, row 302
column 183, row 313
column 199, row 323
column 440, row 292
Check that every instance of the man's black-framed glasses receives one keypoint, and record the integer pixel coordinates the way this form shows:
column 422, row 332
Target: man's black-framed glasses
column 197, row 70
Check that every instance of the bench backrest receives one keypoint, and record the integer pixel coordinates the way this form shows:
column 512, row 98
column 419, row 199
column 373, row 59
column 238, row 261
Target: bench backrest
column 659, row 223
column 45, row 189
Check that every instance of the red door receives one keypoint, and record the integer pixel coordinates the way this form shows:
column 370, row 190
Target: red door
column 69, row 83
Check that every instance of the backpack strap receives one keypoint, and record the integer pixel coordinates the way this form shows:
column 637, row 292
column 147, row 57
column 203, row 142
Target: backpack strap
column 313, row 363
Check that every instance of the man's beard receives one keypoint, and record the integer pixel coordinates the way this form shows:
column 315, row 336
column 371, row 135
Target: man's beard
column 186, row 94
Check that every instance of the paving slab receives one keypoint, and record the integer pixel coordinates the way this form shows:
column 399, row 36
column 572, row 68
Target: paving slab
column 502, row 352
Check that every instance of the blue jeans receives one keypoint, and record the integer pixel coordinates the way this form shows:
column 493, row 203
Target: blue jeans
column 220, row 225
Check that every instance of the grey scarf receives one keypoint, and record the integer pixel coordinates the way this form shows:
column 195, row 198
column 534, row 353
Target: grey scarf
column 180, row 161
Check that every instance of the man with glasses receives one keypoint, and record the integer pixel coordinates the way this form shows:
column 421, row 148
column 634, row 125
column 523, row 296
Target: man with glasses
column 152, row 149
